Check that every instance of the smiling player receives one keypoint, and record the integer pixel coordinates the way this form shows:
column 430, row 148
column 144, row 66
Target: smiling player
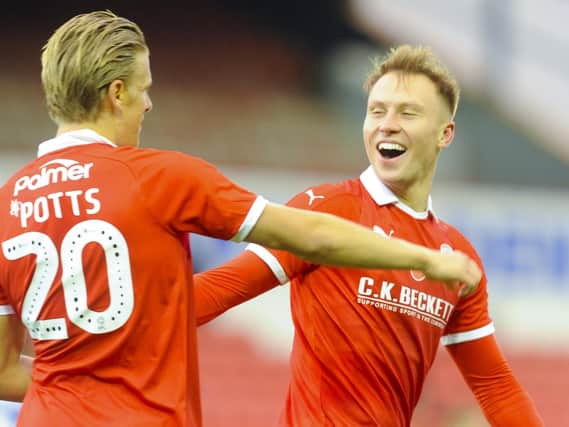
column 365, row 340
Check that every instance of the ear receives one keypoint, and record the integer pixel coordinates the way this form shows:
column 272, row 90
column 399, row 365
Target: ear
column 446, row 136
column 116, row 94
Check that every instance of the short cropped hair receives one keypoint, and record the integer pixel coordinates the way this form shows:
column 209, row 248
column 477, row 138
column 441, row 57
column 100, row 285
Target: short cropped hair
column 408, row 59
column 81, row 59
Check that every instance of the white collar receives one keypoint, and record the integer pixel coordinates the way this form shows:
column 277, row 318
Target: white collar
column 384, row 196
column 71, row 139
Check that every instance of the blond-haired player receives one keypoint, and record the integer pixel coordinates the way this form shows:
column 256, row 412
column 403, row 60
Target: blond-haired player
column 365, row 339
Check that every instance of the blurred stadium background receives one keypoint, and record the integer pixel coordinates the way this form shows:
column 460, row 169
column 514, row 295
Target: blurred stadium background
column 270, row 91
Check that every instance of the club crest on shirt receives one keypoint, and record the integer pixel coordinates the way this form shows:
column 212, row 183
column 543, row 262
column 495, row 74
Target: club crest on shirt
column 419, row 276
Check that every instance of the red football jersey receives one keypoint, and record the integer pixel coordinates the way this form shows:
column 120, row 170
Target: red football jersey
column 365, row 339
column 92, row 260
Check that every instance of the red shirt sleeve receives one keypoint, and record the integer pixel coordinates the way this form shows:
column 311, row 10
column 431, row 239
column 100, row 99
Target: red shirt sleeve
column 190, row 195
column 242, row 278
column 258, row 269
column 487, row 373
column 334, row 199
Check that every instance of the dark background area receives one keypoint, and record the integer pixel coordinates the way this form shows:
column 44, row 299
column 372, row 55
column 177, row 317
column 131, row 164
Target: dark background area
column 251, row 83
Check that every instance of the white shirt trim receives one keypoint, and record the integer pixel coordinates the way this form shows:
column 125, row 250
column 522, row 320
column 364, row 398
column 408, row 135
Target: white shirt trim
column 469, row 335
column 6, row 309
column 250, row 220
column 382, row 195
column 71, row 139
column 271, row 261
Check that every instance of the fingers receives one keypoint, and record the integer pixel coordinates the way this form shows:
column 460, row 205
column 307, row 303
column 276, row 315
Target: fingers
column 473, row 276
column 468, row 274
column 458, row 271
column 465, row 290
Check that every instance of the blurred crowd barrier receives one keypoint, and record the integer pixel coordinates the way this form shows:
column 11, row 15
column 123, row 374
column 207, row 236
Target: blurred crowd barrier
column 505, row 52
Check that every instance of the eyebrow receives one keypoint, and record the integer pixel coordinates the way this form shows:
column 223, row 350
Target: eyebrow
column 400, row 106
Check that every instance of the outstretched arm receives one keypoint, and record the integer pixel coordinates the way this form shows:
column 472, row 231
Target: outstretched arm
column 14, row 374
column 326, row 239
column 323, row 239
column 242, row 278
column 503, row 400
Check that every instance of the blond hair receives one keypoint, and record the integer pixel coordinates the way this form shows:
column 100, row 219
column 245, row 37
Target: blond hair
column 80, row 60
column 408, row 59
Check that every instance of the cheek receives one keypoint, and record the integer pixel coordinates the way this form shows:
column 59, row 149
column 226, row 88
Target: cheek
column 423, row 133
column 427, row 150
column 367, row 130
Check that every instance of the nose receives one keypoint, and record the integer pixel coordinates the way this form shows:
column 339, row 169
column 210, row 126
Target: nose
column 148, row 104
column 389, row 124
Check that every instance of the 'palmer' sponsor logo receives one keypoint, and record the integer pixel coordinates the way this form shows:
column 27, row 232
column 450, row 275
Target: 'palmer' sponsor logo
column 405, row 300
column 58, row 170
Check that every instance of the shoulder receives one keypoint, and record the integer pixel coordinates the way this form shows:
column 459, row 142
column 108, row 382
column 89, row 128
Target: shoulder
column 459, row 241
column 26, row 177
column 323, row 194
column 134, row 154
column 336, row 198
column 164, row 162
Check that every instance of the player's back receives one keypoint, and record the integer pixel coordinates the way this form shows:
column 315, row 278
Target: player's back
column 102, row 283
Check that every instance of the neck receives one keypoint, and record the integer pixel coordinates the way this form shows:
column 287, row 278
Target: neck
column 101, row 130
column 414, row 197
column 414, row 194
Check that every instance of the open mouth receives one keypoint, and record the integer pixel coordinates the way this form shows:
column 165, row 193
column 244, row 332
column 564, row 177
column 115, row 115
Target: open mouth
column 390, row 150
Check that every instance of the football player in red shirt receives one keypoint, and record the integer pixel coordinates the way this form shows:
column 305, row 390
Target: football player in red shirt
column 92, row 254
column 366, row 339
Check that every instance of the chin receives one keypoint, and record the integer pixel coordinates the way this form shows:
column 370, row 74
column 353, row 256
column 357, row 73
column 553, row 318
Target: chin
column 389, row 177
column 386, row 173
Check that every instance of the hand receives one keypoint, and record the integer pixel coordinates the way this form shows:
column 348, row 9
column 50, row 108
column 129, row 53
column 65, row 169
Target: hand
column 455, row 269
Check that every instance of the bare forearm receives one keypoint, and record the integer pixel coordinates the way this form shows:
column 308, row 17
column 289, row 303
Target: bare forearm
column 27, row 362
column 14, row 377
column 354, row 245
column 326, row 239
column 14, row 383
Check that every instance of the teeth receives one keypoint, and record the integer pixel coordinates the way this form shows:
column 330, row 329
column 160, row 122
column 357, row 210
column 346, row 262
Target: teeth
column 391, row 146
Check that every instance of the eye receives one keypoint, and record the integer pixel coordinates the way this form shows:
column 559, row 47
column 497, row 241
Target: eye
column 408, row 113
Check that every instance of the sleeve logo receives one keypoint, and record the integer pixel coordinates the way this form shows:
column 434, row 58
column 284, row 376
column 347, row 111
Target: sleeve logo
column 313, row 197
column 377, row 229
